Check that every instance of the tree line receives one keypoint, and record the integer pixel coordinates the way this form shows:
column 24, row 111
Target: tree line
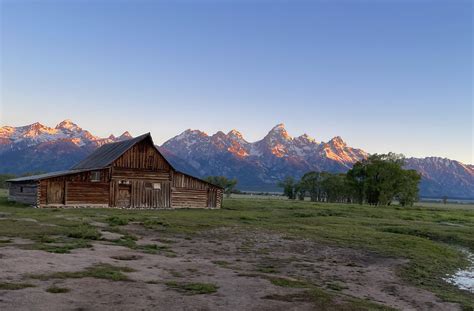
column 377, row 180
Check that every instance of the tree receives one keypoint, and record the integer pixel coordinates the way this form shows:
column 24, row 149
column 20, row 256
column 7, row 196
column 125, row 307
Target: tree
column 408, row 188
column 335, row 188
column 311, row 182
column 445, row 199
column 380, row 178
column 288, row 184
column 224, row 182
column 300, row 191
column 4, row 178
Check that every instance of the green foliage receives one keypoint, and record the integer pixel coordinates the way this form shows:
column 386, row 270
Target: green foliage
column 408, row 188
column 193, row 288
column 311, row 183
column 117, row 221
column 288, row 185
column 380, row 179
column 224, row 182
column 4, row 178
column 85, row 232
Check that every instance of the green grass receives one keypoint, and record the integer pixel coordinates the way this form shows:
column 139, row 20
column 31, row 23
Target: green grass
column 99, row 271
column 193, row 288
column 57, row 290
column 117, row 221
column 321, row 299
column 429, row 235
column 288, row 283
column 14, row 286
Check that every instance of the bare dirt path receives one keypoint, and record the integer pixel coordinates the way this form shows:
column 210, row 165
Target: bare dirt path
column 247, row 268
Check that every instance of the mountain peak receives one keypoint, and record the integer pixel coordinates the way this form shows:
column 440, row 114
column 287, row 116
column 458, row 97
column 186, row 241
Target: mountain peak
column 280, row 131
column 68, row 125
column 279, row 127
column 337, row 141
column 235, row 133
column 125, row 135
column 306, row 138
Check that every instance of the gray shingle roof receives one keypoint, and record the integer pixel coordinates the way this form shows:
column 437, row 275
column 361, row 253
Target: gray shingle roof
column 108, row 153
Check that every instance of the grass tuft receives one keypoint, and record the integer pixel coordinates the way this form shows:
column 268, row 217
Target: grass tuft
column 99, row 271
column 14, row 286
column 57, row 290
column 193, row 288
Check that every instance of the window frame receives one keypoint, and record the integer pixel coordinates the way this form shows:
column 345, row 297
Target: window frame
column 95, row 176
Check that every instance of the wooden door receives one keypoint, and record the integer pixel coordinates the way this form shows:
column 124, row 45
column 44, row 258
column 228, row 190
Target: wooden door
column 55, row 192
column 124, row 197
column 211, row 198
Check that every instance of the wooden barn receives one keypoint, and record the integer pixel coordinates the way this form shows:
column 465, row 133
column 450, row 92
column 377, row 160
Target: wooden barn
column 127, row 174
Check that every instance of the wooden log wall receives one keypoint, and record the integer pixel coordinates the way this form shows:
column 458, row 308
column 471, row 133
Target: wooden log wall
column 142, row 156
column 23, row 192
column 78, row 193
column 181, row 180
column 128, row 173
column 77, row 189
column 189, row 198
column 191, row 192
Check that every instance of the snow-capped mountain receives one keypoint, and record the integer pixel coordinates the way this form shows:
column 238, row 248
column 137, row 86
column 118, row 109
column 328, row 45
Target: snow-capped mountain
column 39, row 148
column 257, row 165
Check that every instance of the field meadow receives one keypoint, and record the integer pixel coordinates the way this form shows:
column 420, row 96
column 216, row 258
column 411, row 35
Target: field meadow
column 276, row 241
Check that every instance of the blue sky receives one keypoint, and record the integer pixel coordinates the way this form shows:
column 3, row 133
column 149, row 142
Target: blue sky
column 384, row 75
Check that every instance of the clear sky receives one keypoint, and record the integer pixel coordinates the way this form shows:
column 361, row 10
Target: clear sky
column 385, row 75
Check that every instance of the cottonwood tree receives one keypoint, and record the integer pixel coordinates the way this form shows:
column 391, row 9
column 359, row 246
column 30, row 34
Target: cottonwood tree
column 288, row 184
column 380, row 179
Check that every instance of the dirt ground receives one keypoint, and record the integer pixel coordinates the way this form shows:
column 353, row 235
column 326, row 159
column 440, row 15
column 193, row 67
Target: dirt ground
column 240, row 263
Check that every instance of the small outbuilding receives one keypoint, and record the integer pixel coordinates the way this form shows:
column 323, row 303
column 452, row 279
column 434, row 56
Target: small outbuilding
column 127, row 174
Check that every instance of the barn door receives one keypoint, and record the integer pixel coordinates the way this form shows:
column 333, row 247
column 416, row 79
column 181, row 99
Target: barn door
column 55, row 192
column 211, row 198
column 124, row 196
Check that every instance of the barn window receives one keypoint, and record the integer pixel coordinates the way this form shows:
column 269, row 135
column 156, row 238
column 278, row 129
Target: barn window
column 95, row 176
column 21, row 189
column 154, row 186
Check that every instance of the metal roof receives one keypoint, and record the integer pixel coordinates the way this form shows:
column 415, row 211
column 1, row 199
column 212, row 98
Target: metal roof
column 45, row 175
column 108, row 153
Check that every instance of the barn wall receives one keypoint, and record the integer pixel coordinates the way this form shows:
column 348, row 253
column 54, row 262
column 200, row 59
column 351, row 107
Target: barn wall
column 23, row 192
column 191, row 192
column 128, row 173
column 142, row 155
column 87, row 193
column 77, row 189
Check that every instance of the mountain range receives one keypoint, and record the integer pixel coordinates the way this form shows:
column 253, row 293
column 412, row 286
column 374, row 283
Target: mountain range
column 257, row 165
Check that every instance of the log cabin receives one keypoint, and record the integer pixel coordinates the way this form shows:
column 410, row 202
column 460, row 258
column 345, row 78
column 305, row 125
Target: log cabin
column 126, row 174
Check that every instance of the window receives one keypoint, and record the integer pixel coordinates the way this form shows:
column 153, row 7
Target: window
column 95, row 176
column 154, row 186
column 21, row 189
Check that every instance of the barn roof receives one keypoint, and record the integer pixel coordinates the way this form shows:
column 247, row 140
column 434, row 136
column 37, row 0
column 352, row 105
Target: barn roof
column 45, row 175
column 108, row 153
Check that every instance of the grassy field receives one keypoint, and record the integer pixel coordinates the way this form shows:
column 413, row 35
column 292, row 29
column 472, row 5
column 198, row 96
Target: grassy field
column 430, row 236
